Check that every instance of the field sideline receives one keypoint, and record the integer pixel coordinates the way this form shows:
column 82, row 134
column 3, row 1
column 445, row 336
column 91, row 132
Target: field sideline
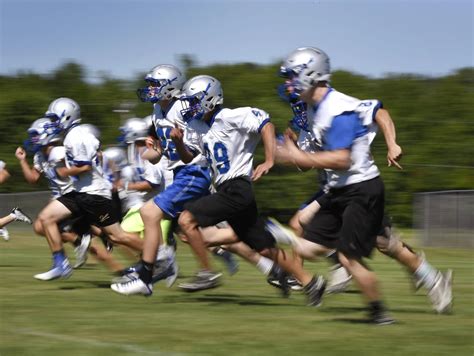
column 82, row 316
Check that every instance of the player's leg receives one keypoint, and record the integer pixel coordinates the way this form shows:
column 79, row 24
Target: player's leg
column 437, row 284
column 49, row 217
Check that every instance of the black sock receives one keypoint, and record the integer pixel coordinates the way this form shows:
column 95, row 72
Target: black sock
column 146, row 272
column 376, row 306
column 77, row 241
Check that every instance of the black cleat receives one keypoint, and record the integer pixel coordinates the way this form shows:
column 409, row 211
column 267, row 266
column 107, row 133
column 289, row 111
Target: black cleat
column 315, row 290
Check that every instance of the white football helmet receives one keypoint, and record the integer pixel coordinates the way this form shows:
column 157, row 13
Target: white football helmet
column 64, row 112
column 305, row 67
column 40, row 133
column 94, row 130
column 164, row 83
column 134, row 129
column 201, row 94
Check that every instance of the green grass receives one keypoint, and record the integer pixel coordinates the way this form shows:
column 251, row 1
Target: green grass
column 82, row 316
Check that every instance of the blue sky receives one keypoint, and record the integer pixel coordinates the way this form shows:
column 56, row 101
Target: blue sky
column 124, row 37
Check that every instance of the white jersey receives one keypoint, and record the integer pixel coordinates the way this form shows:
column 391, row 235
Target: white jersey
column 164, row 122
column 82, row 149
column 140, row 170
column 229, row 141
column 334, row 103
column 47, row 166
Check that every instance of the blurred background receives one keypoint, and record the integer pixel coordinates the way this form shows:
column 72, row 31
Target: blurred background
column 414, row 56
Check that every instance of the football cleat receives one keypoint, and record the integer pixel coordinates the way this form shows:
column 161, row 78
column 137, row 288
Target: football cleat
column 21, row 216
column 203, row 280
column 81, row 251
column 229, row 260
column 338, row 279
column 441, row 294
column 381, row 317
column 62, row 271
column 134, row 286
column 315, row 290
column 167, row 270
column 281, row 234
column 4, row 233
column 279, row 278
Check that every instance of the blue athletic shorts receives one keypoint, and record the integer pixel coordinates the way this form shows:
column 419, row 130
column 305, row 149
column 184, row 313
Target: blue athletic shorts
column 189, row 183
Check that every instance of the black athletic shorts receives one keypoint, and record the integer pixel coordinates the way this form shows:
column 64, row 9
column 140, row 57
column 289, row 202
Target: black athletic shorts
column 96, row 209
column 79, row 225
column 349, row 219
column 235, row 203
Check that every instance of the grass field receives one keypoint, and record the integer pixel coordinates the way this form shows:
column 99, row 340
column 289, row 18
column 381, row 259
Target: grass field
column 82, row 316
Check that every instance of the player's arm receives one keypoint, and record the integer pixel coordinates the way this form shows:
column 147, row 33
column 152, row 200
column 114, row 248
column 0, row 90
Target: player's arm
column 4, row 175
column 153, row 152
column 31, row 174
column 185, row 154
column 336, row 154
column 385, row 122
column 78, row 169
column 269, row 143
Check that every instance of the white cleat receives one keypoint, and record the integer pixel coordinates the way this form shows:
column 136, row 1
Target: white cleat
column 4, row 233
column 172, row 278
column 338, row 279
column 21, row 216
column 280, row 233
column 441, row 294
column 134, row 286
column 63, row 271
column 81, row 251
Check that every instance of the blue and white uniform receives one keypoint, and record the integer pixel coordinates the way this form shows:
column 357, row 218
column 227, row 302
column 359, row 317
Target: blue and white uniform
column 47, row 166
column 353, row 208
column 82, row 149
column 343, row 122
column 229, row 142
column 191, row 180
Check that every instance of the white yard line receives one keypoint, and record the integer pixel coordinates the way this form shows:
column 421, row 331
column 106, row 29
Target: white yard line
column 126, row 347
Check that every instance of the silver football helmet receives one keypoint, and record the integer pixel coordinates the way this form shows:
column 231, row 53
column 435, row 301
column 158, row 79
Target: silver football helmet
column 94, row 130
column 201, row 94
column 164, row 83
column 134, row 129
column 41, row 133
column 64, row 112
column 305, row 67
column 115, row 157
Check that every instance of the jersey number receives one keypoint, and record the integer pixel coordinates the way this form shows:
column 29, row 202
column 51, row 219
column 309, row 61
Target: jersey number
column 168, row 146
column 220, row 156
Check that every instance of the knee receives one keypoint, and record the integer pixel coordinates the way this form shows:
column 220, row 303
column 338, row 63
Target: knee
column 38, row 227
column 187, row 221
column 390, row 246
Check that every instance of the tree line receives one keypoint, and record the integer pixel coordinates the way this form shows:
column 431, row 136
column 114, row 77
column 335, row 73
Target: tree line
column 434, row 117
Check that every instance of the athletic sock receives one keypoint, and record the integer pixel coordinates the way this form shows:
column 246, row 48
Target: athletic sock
column 265, row 265
column 58, row 258
column 146, row 272
column 426, row 274
column 333, row 257
column 376, row 306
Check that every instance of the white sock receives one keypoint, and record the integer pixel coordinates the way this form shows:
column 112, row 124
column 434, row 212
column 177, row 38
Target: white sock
column 426, row 274
column 265, row 265
column 12, row 215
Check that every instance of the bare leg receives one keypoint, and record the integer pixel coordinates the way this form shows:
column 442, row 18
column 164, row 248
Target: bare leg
column 6, row 220
column 151, row 215
column 49, row 217
column 190, row 227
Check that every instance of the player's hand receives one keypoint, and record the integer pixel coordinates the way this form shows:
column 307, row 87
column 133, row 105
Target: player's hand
column 177, row 134
column 285, row 153
column 291, row 134
column 150, row 143
column 394, row 154
column 261, row 170
column 20, row 153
